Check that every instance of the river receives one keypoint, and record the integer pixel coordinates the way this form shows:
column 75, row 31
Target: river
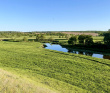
column 76, row 51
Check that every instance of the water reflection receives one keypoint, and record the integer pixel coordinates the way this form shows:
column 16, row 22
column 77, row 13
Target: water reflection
column 88, row 53
column 81, row 53
column 70, row 51
column 64, row 49
column 106, row 57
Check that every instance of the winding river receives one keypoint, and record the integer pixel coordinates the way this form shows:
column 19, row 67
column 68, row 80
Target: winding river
column 76, row 51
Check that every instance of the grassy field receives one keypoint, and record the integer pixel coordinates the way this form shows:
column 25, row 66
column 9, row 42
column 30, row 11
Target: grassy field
column 95, row 38
column 50, row 71
column 79, row 33
column 98, row 38
column 11, row 83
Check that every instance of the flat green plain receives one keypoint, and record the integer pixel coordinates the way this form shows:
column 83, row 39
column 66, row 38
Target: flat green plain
column 57, row 71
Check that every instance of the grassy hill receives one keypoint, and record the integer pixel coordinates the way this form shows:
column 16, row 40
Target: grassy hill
column 53, row 71
column 10, row 83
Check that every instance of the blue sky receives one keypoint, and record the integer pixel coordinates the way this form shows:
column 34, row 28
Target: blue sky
column 54, row 15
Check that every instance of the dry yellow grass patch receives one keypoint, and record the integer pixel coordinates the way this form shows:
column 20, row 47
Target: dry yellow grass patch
column 10, row 83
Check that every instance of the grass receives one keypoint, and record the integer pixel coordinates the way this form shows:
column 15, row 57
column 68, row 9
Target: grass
column 57, row 71
column 10, row 83
column 95, row 38
column 98, row 38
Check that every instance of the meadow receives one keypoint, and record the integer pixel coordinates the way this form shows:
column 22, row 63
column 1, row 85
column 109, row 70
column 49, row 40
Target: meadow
column 95, row 38
column 98, row 38
column 50, row 71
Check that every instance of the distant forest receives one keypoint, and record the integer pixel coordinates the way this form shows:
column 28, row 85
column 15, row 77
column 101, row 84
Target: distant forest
column 18, row 33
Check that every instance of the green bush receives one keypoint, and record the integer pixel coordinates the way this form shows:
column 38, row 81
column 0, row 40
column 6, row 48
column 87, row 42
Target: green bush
column 25, row 39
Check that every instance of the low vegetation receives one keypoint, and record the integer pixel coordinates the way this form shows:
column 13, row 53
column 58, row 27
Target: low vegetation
column 58, row 71
column 10, row 83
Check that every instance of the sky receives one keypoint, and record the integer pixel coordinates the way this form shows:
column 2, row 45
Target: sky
column 54, row 15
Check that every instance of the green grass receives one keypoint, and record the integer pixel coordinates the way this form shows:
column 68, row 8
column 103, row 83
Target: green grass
column 98, row 38
column 58, row 71
column 95, row 38
column 10, row 83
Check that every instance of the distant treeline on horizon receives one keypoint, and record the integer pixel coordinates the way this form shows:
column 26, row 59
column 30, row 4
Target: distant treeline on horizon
column 53, row 31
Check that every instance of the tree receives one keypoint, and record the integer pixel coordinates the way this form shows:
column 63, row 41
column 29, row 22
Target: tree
column 88, row 40
column 85, row 39
column 67, row 36
column 72, row 40
column 107, row 38
column 25, row 39
column 81, row 38
column 50, row 39
column 37, row 37
column 59, row 36
column 40, row 37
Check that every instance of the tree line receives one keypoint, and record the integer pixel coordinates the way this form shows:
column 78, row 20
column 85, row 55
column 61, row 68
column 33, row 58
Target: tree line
column 88, row 40
column 82, row 39
column 40, row 36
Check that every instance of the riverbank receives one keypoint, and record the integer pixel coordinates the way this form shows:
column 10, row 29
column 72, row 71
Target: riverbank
column 88, row 49
column 80, row 51
column 53, row 70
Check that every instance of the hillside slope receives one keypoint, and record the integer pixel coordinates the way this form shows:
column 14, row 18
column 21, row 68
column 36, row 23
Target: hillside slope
column 10, row 83
column 58, row 71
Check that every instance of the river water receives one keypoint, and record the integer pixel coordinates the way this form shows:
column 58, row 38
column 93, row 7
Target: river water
column 76, row 51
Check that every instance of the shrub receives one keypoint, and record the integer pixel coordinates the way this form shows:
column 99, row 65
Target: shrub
column 25, row 39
